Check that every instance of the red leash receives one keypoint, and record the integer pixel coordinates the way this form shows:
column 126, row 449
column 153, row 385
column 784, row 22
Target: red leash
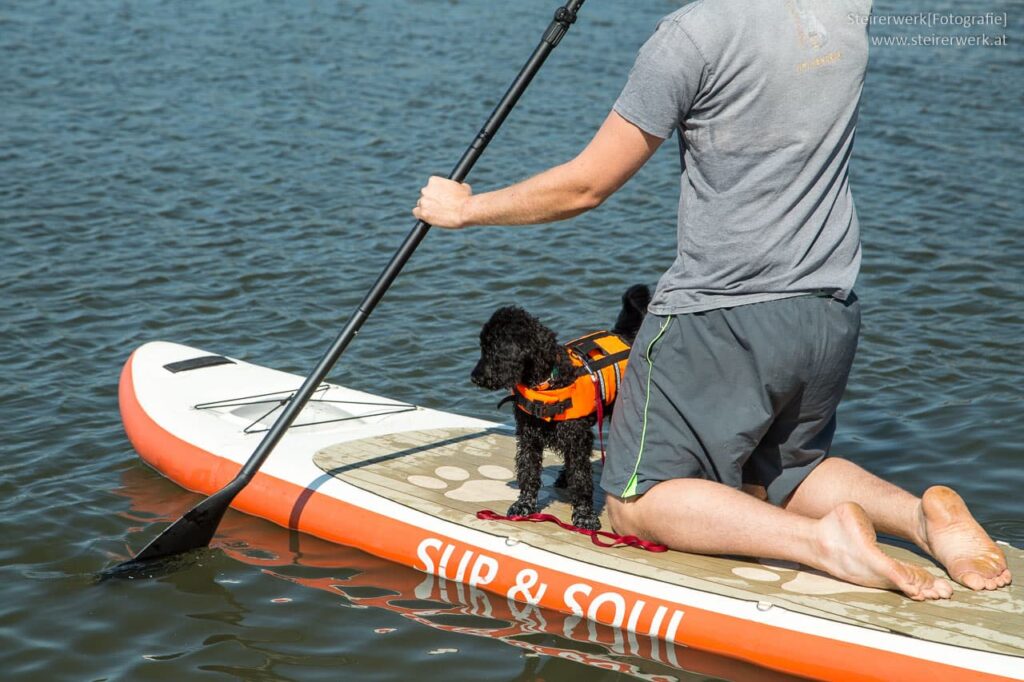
column 611, row 540
column 595, row 535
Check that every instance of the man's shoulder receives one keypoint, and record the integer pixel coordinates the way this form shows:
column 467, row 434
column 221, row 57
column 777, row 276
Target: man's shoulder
column 706, row 21
column 682, row 16
column 699, row 11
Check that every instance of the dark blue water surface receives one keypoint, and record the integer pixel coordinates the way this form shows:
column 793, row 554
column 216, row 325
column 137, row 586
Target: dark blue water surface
column 234, row 175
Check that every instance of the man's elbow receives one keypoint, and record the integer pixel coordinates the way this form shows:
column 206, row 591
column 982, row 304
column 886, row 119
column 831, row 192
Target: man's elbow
column 589, row 188
column 590, row 198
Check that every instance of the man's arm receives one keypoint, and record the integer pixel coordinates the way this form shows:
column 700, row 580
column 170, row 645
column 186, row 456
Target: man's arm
column 617, row 151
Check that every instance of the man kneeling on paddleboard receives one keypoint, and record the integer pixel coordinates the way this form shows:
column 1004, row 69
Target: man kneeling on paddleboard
column 719, row 442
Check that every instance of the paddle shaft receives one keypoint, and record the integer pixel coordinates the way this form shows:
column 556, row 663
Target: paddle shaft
column 564, row 17
column 196, row 528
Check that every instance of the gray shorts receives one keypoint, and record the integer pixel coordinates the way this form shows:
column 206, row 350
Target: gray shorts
column 734, row 395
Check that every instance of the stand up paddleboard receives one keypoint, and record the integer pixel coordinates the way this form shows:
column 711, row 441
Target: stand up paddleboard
column 404, row 483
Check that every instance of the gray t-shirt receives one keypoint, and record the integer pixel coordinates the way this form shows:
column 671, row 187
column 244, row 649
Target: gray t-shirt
column 764, row 94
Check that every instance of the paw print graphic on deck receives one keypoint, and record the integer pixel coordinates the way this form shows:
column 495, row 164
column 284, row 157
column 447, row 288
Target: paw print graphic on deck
column 492, row 487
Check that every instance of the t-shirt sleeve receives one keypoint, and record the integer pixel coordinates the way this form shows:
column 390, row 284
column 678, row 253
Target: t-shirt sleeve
column 664, row 81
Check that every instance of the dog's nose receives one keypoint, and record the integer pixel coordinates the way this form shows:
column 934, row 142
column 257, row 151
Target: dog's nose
column 480, row 376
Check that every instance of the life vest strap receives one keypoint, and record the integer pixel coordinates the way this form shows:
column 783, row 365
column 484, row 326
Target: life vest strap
column 600, row 363
column 542, row 410
column 585, row 345
column 589, row 339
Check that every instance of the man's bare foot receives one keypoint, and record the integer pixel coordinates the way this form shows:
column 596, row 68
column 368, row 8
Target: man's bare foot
column 848, row 551
column 951, row 535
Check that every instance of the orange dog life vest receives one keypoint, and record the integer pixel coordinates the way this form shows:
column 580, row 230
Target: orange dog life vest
column 600, row 360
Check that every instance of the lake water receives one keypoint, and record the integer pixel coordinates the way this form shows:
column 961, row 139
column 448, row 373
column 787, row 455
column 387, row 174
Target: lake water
column 234, row 175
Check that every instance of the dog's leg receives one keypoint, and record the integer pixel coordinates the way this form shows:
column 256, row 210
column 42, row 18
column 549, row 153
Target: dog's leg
column 580, row 477
column 529, row 460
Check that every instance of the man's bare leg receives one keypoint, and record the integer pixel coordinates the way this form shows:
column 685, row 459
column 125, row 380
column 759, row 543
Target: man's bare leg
column 939, row 522
column 710, row 518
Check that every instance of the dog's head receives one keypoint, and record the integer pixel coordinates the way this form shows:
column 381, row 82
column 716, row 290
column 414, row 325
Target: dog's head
column 514, row 348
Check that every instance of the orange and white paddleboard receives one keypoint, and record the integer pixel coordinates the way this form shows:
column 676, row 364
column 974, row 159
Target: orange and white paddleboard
column 404, row 483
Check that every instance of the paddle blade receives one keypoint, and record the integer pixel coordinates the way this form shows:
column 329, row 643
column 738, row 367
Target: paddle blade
column 192, row 531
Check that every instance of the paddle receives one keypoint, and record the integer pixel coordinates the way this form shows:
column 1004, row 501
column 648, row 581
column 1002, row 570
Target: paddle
column 196, row 528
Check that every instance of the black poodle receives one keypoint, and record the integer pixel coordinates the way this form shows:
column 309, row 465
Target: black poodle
column 515, row 348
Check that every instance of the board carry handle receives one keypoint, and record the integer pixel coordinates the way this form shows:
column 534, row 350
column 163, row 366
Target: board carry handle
column 196, row 528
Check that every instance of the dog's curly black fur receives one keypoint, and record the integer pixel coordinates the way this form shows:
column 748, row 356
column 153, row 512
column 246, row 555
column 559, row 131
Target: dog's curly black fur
column 516, row 348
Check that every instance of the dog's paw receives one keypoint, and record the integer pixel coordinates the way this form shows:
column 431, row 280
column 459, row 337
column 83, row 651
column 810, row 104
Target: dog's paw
column 522, row 508
column 587, row 520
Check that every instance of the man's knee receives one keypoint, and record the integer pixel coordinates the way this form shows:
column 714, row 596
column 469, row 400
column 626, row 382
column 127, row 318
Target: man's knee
column 758, row 491
column 624, row 514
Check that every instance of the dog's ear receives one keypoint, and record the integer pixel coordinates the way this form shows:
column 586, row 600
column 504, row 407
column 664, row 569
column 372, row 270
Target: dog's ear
column 543, row 340
column 543, row 353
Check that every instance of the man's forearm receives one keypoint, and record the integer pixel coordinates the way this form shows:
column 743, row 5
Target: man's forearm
column 556, row 194
column 616, row 152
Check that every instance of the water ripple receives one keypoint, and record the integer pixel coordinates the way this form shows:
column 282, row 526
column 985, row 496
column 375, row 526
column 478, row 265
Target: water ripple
column 234, row 176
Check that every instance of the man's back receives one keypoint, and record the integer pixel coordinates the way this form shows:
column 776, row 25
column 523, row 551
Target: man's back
column 765, row 94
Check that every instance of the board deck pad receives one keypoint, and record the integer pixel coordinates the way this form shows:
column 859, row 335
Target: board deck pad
column 453, row 473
